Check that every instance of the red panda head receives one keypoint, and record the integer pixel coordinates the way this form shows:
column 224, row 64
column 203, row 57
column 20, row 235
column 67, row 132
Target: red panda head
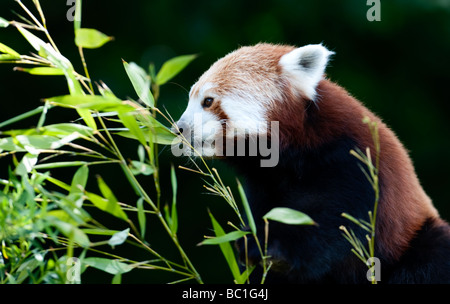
column 235, row 97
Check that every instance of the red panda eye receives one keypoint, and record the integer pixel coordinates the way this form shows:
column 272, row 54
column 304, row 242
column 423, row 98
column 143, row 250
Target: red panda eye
column 207, row 102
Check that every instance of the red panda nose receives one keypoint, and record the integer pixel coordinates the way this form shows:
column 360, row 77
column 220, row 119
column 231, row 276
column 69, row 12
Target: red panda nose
column 179, row 127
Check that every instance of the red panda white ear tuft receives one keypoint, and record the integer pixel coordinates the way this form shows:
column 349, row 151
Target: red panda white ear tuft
column 305, row 67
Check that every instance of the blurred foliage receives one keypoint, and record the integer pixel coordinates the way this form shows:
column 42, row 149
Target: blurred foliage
column 397, row 67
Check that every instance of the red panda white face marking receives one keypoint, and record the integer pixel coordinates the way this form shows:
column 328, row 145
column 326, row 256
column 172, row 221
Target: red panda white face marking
column 232, row 99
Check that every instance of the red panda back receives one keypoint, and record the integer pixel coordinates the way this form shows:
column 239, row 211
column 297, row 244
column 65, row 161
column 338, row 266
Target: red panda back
column 403, row 206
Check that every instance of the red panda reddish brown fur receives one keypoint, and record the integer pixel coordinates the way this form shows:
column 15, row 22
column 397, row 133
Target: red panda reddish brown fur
column 319, row 123
column 403, row 206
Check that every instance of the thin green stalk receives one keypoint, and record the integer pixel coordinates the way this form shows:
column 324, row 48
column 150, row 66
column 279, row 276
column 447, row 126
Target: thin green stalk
column 86, row 71
column 136, row 185
column 39, row 25
column 23, row 116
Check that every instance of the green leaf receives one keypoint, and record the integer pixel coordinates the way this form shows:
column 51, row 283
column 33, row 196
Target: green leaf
column 55, row 181
column 105, row 90
column 35, row 143
column 226, row 249
column 96, row 231
column 9, row 144
column 3, row 22
column 117, row 279
column 26, row 269
column 92, row 102
column 63, row 216
column 138, row 167
column 86, row 115
column 119, row 238
column 141, row 216
column 72, row 205
column 154, row 132
column 174, row 216
column 7, row 57
column 229, row 237
column 129, row 121
column 43, row 71
column 32, row 39
column 26, row 164
column 90, row 38
column 7, row 50
column 245, row 274
column 61, row 62
column 108, row 204
column 113, row 267
column 288, row 216
column 160, row 138
column 60, row 165
column 79, row 180
column 72, row 232
column 172, row 67
column 57, row 130
column 140, row 81
column 63, row 129
column 47, row 51
column 248, row 211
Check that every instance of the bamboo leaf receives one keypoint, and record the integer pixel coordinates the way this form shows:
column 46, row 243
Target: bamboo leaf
column 22, row 116
column 57, row 130
column 172, row 67
column 141, row 216
column 47, row 51
column 4, row 22
column 229, row 237
column 96, row 231
column 288, row 216
column 117, row 279
column 90, row 38
column 32, row 39
column 90, row 102
column 7, row 50
column 113, row 206
column 138, row 167
column 113, row 267
column 35, row 143
column 119, row 238
column 42, row 71
column 140, row 81
column 130, row 122
column 245, row 274
column 174, row 216
column 62, row 129
column 86, row 115
column 72, row 232
column 226, row 249
column 248, row 211
column 7, row 57
column 26, row 164
column 160, row 138
column 108, row 203
column 79, row 180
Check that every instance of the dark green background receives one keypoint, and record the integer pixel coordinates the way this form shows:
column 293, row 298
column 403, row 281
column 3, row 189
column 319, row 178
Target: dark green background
column 398, row 67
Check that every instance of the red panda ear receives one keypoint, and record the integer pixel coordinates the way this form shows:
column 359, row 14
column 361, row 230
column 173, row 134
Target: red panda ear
column 305, row 67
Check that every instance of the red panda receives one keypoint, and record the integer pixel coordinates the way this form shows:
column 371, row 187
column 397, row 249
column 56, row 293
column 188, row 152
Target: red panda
column 318, row 124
